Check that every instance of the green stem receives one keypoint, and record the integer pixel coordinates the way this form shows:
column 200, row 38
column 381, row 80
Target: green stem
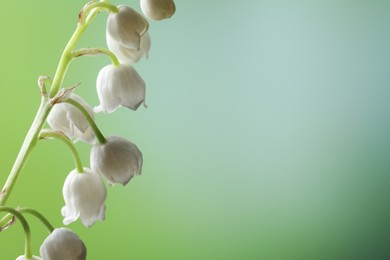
column 44, row 109
column 96, row 51
column 66, row 56
column 99, row 135
column 27, row 251
column 5, row 222
column 65, row 139
column 39, row 216
column 103, row 5
column 29, row 143
column 32, row 136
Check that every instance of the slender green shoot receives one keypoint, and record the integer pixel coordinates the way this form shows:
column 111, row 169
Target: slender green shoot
column 99, row 135
column 47, row 134
column 39, row 216
column 27, row 250
column 96, row 51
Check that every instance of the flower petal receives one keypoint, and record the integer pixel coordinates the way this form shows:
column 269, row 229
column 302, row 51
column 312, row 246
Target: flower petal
column 127, row 26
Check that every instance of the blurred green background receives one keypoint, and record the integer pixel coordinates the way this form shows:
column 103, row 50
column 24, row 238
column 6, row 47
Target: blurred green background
column 266, row 136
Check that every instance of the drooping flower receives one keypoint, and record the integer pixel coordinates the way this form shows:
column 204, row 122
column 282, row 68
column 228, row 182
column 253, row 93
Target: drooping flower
column 158, row 9
column 118, row 160
column 129, row 55
column 68, row 119
column 84, row 195
column 119, row 86
column 127, row 27
column 63, row 244
column 22, row 257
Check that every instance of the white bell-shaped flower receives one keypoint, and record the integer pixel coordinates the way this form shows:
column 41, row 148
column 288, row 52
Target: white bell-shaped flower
column 68, row 119
column 118, row 160
column 22, row 257
column 119, row 86
column 63, row 244
column 126, row 27
column 84, row 195
column 128, row 55
column 158, row 9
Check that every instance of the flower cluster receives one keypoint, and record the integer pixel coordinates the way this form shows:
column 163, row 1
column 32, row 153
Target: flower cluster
column 71, row 119
column 114, row 158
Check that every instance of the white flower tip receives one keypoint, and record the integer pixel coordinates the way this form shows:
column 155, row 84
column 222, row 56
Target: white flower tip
column 135, row 106
column 98, row 109
column 158, row 9
column 101, row 109
column 68, row 217
column 127, row 181
column 88, row 222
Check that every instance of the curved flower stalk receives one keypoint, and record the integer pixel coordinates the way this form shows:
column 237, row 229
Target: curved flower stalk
column 63, row 244
column 45, row 222
column 158, row 9
column 119, row 86
column 118, row 160
column 84, row 194
column 127, row 27
column 69, row 120
column 26, row 228
column 129, row 55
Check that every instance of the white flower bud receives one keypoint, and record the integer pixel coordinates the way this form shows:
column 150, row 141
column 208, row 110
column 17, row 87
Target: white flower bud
column 84, row 195
column 119, row 86
column 158, row 9
column 68, row 119
column 22, row 257
column 126, row 27
column 118, row 160
column 63, row 244
column 128, row 55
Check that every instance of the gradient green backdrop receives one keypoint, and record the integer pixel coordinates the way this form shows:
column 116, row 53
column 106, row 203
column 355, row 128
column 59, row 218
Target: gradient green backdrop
column 267, row 134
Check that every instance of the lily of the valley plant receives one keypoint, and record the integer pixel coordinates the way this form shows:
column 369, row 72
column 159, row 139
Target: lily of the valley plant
column 66, row 116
